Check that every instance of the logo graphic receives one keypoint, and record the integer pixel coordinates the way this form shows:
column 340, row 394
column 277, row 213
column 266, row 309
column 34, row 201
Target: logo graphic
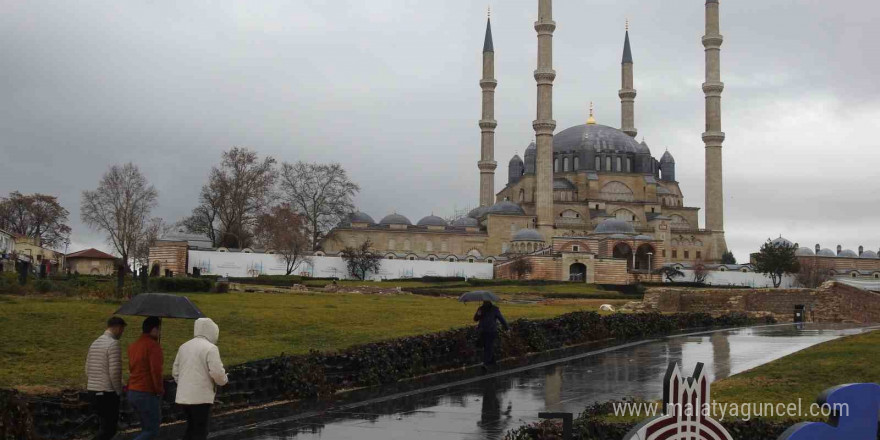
column 862, row 401
column 686, row 406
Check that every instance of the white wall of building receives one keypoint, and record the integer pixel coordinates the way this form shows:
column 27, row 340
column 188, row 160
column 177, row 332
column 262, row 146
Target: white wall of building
column 238, row 264
column 734, row 278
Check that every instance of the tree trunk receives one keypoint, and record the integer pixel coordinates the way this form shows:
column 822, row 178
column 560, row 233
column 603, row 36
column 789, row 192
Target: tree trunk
column 120, row 276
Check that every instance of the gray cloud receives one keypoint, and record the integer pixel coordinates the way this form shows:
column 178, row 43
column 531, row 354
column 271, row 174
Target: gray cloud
column 389, row 88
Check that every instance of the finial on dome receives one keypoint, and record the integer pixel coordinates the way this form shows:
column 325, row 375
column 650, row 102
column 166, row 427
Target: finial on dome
column 591, row 120
column 627, row 24
column 489, row 11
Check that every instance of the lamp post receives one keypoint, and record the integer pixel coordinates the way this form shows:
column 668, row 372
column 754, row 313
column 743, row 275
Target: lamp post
column 650, row 261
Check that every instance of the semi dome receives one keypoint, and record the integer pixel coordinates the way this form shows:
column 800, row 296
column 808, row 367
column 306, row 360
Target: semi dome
column 849, row 253
column 562, row 183
column 804, row 252
column 505, row 207
column 478, row 211
column 528, row 235
column 826, row 253
column 781, row 241
column 614, row 226
column 595, row 138
column 431, row 220
column 395, row 219
column 466, row 222
column 868, row 254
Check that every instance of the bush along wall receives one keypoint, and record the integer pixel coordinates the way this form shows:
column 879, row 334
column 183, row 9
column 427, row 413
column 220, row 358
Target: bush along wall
column 317, row 375
column 592, row 425
column 168, row 284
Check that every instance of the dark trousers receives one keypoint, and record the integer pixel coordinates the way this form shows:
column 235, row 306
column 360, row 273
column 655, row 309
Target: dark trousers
column 106, row 407
column 197, row 418
column 149, row 409
column 488, row 340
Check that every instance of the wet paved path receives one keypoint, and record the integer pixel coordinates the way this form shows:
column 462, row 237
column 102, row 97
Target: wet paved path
column 488, row 406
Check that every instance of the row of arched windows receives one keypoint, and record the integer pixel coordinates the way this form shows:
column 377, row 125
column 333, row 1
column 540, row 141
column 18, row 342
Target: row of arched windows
column 612, row 163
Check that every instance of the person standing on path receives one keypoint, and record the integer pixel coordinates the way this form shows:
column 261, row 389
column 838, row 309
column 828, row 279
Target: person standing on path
column 487, row 317
column 104, row 373
column 198, row 371
column 145, row 386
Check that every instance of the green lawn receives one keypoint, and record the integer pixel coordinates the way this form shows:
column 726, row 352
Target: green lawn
column 44, row 340
column 807, row 373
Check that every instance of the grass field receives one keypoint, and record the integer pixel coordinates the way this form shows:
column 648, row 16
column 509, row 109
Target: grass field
column 807, row 373
column 44, row 340
column 508, row 291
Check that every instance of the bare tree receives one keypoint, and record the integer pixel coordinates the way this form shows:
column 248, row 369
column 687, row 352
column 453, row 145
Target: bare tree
column 283, row 231
column 322, row 193
column 154, row 228
column 700, row 272
column 38, row 216
column 120, row 207
column 237, row 192
column 361, row 260
column 812, row 273
column 669, row 272
column 521, row 266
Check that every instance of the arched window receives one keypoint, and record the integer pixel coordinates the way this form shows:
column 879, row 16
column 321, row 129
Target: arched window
column 618, row 164
column 429, row 246
column 629, row 165
column 679, row 222
column 565, row 164
column 391, row 243
column 598, row 163
column 556, row 165
column 522, row 195
column 577, row 163
column 607, row 163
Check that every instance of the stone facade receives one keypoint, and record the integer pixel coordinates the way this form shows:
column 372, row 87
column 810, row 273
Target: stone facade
column 832, row 302
column 169, row 258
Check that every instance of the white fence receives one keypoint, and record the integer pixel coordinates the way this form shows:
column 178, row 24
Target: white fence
column 734, row 278
column 239, row 264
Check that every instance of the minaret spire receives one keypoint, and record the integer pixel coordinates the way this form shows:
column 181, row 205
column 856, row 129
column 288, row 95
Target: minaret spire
column 713, row 137
column 488, row 123
column 544, row 124
column 627, row 93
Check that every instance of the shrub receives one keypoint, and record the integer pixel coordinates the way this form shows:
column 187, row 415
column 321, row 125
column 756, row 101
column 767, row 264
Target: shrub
column 269, row 280
column 180, row 285
column 45, row 286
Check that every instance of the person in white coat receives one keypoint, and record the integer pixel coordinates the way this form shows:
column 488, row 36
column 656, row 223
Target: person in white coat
column 198, row 371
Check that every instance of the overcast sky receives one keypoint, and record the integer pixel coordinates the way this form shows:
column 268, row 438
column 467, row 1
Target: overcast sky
column 389, row 88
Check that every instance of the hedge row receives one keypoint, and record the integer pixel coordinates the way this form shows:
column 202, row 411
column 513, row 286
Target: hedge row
column 592, row 425
column 320, row 374
column 173, row 284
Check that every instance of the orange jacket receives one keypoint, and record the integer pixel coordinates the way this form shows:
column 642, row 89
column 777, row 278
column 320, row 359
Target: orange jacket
column 145, row 366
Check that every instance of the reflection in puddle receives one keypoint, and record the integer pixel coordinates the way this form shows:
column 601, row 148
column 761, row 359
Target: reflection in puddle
column 487, row 408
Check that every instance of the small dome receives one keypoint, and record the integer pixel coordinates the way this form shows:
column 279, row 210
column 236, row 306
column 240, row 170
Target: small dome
column 478, row 212
column 360, row 217
column 849, row 253
column 466, row 222
column 826, row 253
column 432, row 220
column 667, row 158
column 868, row 254
column 528, row 235
column 781, row 241
column 395, row 219
column 614, row 226
column 516, row 159
column 804, row 252
column 505, row 207
column 562, row 183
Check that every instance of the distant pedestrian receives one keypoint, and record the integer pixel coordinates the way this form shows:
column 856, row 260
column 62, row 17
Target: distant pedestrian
column 198, row 371
column 145, row 386
column 104, row 373
column 487, row 317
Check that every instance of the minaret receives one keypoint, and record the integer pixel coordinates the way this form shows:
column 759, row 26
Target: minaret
column 627, row 93
column 713, row 137
column 544, row 125
column 488, row 123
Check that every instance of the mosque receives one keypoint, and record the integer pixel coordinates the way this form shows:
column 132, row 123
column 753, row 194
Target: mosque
column 589, row 203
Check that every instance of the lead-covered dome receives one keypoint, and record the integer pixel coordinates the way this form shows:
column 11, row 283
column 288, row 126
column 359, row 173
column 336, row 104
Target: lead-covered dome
column 395, row 219
column 505, row 207
column 825, row 252
column 360, row 217
column 431, row 220
column 595, row 138
column 804, row 252
column 614, row 226
column 781, row 241
column 868, row 254
column 849, row 253
column 478, row 211
column 528, row 235
column 466, row 222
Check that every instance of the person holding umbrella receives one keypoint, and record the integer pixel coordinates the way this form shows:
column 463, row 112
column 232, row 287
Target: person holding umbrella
column 198, row 371
column 145, row 385
column 487, row 317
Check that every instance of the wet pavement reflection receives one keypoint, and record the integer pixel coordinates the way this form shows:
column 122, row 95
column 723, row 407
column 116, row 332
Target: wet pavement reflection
column 486, row 407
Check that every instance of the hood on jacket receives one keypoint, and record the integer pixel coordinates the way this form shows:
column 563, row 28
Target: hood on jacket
column 206, row 328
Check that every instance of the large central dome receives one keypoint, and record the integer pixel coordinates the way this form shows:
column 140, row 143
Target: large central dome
column 596, row 138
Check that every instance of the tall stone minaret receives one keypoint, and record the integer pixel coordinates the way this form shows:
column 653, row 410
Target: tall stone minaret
column 488, row 123
column 627, row 93
column 544, row 125
column 713, row 137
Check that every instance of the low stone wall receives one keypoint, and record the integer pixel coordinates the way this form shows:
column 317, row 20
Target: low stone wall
column 832, row 302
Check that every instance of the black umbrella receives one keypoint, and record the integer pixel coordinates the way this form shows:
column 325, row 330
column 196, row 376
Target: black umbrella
column 478, row 296
column 161, row 305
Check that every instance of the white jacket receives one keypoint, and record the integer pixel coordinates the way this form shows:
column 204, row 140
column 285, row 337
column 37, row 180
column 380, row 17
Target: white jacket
column 104, row 364
column 197, row 367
